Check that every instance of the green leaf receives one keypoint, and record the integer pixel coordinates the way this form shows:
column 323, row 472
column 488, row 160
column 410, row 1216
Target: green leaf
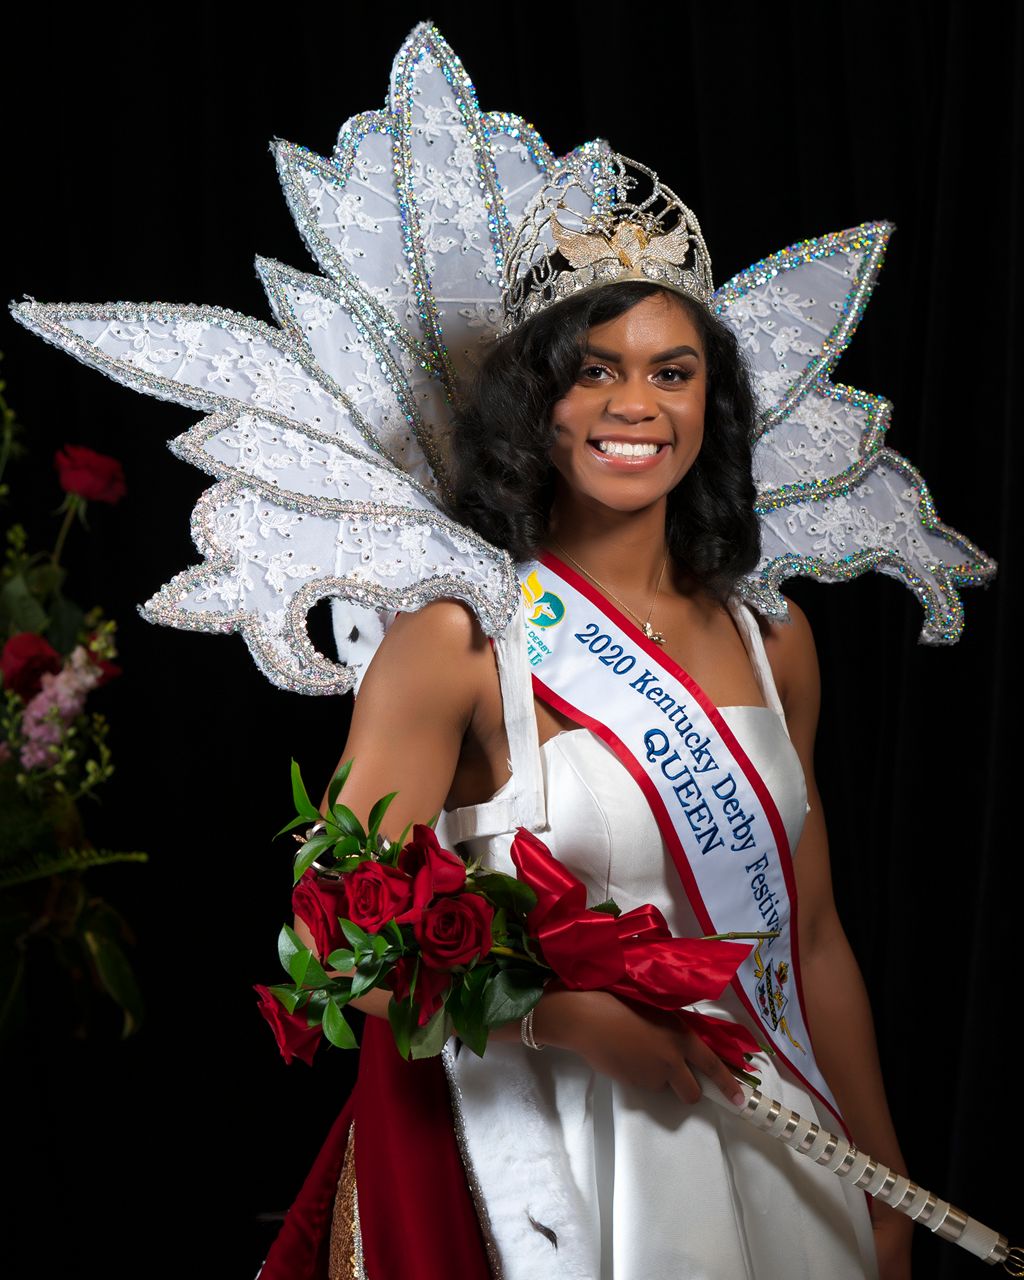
column 66, row 623
column 336, row 1027
column 506, row 891
column 337, row 782
column 470, row 1027
column 609, row 908
column 289, row 944
column 308, row 854
column 341, row 959
column 288, row 996
column 378, row 811
column 428, row 1041
column 347, row 822
column 402, row 1017
column 303, row 804
column 295, row 822
column 465, row 1005
column 44, row 578
column 311, row 972
column 117, row 977
column 359, row 938
column 302, row 965
column 20, row 608
column 396, row 933
column 510, row 994
column 365, row 979
column 400, row 842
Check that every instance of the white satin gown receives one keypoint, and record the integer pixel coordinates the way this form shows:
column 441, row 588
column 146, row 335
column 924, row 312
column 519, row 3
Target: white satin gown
column 583, row 1178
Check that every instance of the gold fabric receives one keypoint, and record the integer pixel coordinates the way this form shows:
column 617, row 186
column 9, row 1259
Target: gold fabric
column 346, row 1254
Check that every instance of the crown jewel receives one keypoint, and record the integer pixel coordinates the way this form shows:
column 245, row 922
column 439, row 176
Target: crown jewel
column 601, row 217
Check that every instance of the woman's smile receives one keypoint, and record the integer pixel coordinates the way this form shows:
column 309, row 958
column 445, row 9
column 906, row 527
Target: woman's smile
column 631, row 426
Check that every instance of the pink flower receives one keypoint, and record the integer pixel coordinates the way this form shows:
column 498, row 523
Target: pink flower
column 60, row 700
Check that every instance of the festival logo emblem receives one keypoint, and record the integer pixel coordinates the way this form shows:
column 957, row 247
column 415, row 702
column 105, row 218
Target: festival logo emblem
column 543, row 608
column 772, row 997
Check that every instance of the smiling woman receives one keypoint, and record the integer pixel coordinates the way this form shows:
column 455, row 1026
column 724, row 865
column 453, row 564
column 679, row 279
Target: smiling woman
column 542, row 381
column 631, row 427
column 609, row 431
column 329, row 435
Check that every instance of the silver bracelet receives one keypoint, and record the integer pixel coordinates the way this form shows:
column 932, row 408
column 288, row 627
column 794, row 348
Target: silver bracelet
column 526, row 1032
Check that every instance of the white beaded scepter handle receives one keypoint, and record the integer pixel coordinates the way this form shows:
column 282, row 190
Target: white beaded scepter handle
column 841, row 1157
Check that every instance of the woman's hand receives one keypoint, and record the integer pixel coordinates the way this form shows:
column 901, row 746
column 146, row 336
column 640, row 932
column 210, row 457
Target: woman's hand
column 640, row 1047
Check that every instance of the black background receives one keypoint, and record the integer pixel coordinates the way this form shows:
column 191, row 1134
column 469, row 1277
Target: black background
column 137, row 167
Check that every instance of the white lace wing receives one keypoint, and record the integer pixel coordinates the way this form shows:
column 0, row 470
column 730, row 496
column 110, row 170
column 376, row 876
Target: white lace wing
column 308, row 503
column 834, row 501
column 329, row 435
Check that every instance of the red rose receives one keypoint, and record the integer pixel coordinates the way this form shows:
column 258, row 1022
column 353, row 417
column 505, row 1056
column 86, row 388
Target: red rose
column 434, row 870
column 294, row 1038
column 454, row 930
column 318, row 901
column 431, row 985
column 376, row 894
column 25, row 660
column 89, row 474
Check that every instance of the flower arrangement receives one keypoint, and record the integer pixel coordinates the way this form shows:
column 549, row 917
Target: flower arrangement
column 54, row 753
column 463, row 948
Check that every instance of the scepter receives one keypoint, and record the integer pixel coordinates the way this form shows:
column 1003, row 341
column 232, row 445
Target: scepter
column 841, row 1157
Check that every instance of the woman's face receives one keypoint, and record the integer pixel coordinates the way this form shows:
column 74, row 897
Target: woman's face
column 631, row 427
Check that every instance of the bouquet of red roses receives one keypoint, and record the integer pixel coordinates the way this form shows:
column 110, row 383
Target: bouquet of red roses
column 448, row 939
column 464, row 948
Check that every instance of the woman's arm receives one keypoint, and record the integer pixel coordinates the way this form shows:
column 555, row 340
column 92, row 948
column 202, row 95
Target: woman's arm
column 417, row 702
column 429, row 706
column 837, row 1003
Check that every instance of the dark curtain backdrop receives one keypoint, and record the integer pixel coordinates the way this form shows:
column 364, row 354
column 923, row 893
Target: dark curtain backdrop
column 137, row 167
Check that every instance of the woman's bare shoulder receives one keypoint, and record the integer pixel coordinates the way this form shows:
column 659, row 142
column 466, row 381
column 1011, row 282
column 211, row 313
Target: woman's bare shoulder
column 448, row 625
column 789, row 645
column 440, row 648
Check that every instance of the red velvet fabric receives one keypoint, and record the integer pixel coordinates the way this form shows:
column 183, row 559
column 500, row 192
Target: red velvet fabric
column 302, row 1248
column 415, row 1212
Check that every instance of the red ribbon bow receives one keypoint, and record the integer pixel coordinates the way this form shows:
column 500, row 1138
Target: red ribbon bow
column 632, row 955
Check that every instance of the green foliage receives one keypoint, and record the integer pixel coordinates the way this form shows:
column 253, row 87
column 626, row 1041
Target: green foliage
column 51, row 758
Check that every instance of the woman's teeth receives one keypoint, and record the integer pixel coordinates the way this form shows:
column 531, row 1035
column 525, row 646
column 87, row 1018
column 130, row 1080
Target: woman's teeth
column 622, row 449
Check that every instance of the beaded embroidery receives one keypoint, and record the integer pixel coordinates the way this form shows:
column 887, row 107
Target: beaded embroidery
column 328, row 434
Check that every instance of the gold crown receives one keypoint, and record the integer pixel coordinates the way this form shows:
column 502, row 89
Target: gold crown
column 599, row 219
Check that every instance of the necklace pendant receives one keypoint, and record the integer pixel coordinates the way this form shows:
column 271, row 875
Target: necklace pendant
column 651, row 634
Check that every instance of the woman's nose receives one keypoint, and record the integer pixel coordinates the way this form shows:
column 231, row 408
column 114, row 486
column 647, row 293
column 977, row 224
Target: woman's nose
column 632, row 400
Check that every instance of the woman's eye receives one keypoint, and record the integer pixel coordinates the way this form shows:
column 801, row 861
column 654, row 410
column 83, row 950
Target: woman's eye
column 593, row 371
column 675, row 375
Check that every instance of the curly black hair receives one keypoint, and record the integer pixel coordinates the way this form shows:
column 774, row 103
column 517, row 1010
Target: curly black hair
column 503, row 479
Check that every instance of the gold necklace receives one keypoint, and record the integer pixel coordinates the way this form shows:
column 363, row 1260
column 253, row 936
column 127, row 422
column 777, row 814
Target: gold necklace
column 645, row 623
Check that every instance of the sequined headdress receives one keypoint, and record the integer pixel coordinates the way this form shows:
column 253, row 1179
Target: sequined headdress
column 327, row 432
column 598, row 221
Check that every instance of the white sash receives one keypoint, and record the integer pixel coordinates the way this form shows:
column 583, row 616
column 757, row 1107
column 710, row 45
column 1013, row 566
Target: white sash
column 715, row 814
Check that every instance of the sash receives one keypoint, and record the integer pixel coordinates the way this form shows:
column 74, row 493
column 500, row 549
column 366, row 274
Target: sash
column 714, row 812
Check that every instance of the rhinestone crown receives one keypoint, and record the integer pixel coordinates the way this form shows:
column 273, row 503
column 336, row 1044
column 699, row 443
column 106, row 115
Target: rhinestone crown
column 601, row 218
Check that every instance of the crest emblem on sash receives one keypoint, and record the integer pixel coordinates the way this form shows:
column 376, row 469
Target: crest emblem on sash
column 772, row 998
column 543, row 608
